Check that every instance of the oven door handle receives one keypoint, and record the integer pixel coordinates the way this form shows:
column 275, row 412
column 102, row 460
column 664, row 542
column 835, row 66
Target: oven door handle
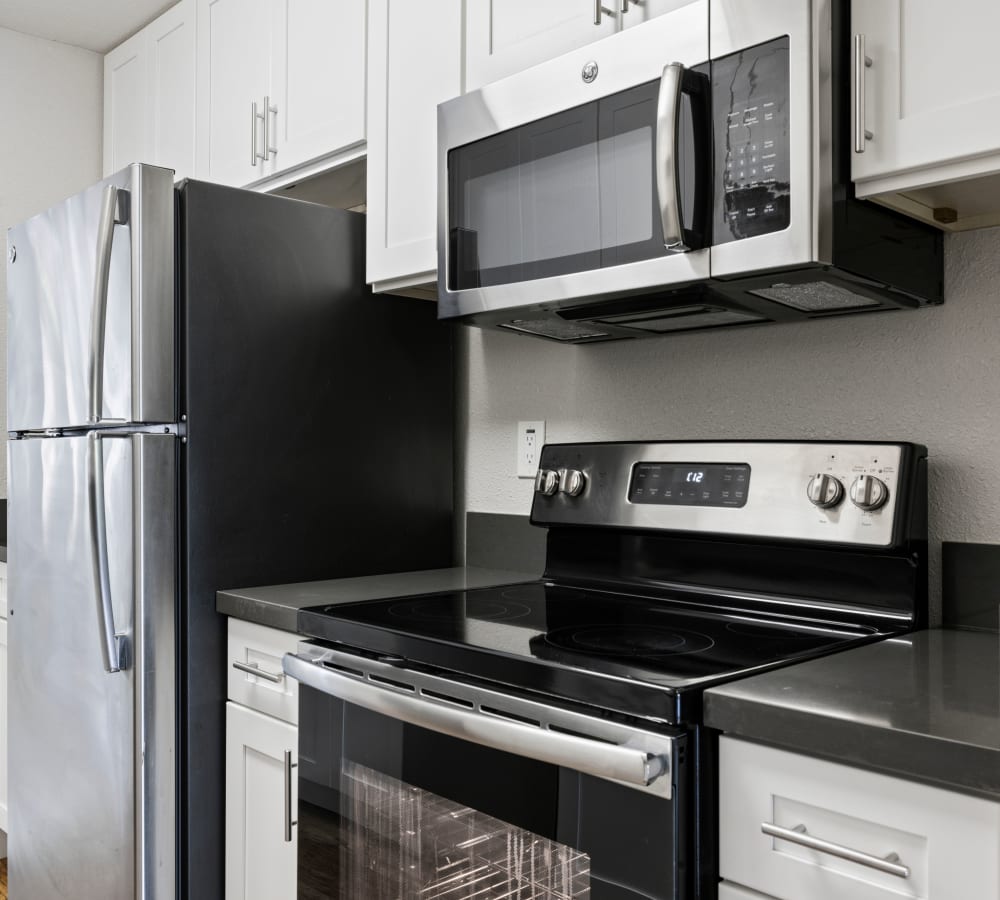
column 598, row 757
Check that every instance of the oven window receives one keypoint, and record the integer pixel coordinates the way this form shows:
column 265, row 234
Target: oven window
column 573, row 192
column 401, row 841
column 392, row 811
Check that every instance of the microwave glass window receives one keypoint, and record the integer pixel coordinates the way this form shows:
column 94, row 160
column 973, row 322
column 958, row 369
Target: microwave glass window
column 572, row 192
column 750, row 103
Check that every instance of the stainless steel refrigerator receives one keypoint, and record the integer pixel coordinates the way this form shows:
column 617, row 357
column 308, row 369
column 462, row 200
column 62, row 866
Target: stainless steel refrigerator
column 202, row 394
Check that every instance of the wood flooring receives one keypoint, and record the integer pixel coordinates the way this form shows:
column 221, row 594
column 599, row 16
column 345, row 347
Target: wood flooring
column 3, row 879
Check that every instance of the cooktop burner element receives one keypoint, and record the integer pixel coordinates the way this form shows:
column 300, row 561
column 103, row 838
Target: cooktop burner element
column 629, row 640
column 490, row 609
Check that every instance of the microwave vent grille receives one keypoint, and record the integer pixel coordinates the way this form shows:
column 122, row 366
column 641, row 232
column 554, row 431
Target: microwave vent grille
column 815, row 297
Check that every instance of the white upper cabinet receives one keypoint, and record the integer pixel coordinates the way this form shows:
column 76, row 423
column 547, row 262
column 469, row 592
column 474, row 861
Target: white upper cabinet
column 124, row 104
column 405, row 84
column 280, row 83
column 503, row 38
column 319, row 84
column 170, row 97
column 233, row 77
column 931, row 101
column 149, row 95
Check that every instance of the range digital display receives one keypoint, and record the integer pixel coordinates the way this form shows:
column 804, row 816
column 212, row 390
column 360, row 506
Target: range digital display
column 690, row 484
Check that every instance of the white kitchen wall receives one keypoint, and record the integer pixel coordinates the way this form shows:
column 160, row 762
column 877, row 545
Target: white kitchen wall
column 931, row 377
column 50, row 145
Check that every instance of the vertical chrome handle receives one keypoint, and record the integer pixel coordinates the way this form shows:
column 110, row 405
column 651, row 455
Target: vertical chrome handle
column 861, row 62
column 256, row 154
column 253, row 133
column 113, row 645
column 668, row 187
column 599, row 10
column 625, row 5
column 114, row 211
column 268, row 110
column 290, row 823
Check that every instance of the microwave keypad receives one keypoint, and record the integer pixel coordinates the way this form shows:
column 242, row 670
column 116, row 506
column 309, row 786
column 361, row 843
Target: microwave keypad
column 750, row 99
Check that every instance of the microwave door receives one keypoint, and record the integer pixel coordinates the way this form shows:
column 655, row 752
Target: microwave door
column 770, row 160
column 90, row 295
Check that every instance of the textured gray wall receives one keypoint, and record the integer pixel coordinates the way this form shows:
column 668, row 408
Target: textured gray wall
column 931, row 377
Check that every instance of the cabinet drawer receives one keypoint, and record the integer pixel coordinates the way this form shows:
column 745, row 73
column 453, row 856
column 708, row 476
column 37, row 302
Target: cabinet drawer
column 255, row 645
column 947, row 841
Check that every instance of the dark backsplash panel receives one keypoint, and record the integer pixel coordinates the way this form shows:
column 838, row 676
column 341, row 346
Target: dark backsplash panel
column 498, row 541
column 970, row 589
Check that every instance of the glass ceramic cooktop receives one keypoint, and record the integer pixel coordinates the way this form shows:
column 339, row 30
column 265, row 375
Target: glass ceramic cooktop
column 496, row 632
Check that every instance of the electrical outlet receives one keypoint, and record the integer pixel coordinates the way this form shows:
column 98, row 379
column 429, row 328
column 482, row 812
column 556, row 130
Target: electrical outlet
column 530, row 438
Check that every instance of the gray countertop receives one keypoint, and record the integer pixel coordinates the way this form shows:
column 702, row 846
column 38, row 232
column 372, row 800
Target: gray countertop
column 924, row 705
column 278, row 605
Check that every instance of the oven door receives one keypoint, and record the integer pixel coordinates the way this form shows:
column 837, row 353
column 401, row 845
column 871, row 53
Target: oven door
column 416, row 787
column 584, row 178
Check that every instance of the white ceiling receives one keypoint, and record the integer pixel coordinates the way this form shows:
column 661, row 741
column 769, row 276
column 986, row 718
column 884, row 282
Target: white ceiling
column 93, row 24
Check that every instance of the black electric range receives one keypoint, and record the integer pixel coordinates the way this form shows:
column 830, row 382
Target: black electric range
column 670, row 567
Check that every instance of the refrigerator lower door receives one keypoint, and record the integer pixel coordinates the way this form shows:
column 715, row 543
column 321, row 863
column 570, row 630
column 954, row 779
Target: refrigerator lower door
column 90, row 297
column 90, row 816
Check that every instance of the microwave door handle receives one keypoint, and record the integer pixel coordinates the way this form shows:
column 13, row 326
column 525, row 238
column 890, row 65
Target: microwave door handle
column 674, row 83
column 114, row 211
column 668, row 187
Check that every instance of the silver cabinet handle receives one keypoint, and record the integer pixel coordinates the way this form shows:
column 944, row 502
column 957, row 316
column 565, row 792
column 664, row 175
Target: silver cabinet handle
column 889, row 864
column 861, row 62
column 268, row 111
column 254, row 669
column 599, row 10
column 290, row 823
column 480, row 723
column 625, row 5
column 113, row 645
column 114, row 211
column 257, row 116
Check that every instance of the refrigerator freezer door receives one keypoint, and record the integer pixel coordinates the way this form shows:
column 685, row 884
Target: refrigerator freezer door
column 90, row 296
column 94, row 819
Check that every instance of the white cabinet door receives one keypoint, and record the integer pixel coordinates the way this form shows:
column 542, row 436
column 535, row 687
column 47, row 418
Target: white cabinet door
column 503, row 38
column 170, row 96
column 633, row 13
column 125, row 131
column 932, row 95
column 233, row 73
column 406, row 83
column 260, row 864
column 318, row 84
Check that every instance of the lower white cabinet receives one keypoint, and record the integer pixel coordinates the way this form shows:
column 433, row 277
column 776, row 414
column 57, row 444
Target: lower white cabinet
column 914, row 841
column 3, row 709
column 261, row 760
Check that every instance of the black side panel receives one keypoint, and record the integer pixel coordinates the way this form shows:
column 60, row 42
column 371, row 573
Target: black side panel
column 319, row 443
column 871, row 240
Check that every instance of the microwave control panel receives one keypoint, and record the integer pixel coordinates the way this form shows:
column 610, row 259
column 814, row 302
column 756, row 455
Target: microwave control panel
column 750, row 103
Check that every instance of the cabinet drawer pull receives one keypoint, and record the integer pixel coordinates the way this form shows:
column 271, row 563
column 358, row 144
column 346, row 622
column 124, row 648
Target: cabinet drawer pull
column 889, row 864
column 599, row 10
column 254, row 669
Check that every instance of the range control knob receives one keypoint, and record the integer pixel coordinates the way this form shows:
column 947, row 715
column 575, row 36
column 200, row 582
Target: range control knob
column 572, row 481
column 547, row 482
column 824, row 491
column 869, row 493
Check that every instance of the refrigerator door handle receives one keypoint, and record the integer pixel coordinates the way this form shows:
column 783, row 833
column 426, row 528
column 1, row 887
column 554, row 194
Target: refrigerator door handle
column 114, row 211
column 113, row 645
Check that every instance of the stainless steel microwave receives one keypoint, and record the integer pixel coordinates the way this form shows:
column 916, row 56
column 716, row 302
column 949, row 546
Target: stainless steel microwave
column 691, row 172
